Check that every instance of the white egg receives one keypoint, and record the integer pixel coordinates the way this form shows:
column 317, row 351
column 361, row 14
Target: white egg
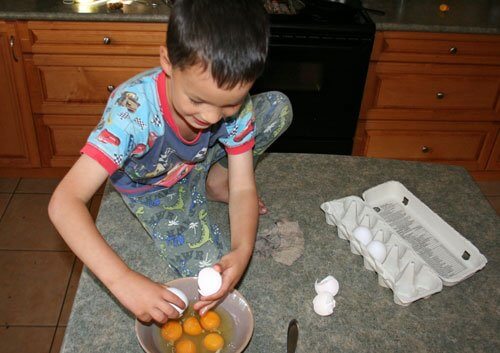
column 323, row 304
column 363, row 235
column 209, row 281
column 328, row 284
column 377, row 250
column 181, row 295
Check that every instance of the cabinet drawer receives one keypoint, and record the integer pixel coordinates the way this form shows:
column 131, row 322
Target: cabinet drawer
column 437, row 48
column 431, row 91
column 466, row 144
column 92, row 37
column 65, row 84
column 62, row 136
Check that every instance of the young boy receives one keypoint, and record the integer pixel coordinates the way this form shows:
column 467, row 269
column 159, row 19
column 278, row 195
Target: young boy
column 168, row 139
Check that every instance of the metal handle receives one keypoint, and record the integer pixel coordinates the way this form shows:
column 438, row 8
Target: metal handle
column 12, row 42
column 440, row 95
column 426, row 149
column 453, row 50
column 106, row 40
column 111, row 88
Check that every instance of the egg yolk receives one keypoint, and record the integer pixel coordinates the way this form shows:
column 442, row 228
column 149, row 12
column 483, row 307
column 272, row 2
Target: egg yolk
column 185, row 346
column 210, row 321
column 171, row 331
column 192, row 326
column 213, row 342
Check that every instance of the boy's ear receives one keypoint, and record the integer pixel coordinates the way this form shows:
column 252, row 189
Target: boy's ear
column 165, row 61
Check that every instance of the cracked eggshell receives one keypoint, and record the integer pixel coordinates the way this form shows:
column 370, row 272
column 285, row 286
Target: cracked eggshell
column 323, row 304
column 181, row 295
column 377, row 250
column 363, row 235
column 209, row 281
column 328, row 284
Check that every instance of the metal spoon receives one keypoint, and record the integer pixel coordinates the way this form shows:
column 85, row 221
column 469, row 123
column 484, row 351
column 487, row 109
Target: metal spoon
column 292, row 336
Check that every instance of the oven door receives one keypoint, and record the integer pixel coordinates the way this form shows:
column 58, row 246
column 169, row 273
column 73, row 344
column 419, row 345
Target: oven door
column 324, row 76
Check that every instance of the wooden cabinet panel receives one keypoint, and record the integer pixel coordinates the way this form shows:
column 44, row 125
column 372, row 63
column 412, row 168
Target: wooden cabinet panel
column 494, row 161
column 466, row 144
column 18, row 146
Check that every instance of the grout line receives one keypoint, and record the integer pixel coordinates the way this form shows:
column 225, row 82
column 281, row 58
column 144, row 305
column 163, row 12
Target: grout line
column 17, row 185
column 7, row 205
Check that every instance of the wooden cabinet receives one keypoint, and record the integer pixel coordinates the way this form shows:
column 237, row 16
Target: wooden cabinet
column 71, row 70
column 18, row 147
column 433, row 97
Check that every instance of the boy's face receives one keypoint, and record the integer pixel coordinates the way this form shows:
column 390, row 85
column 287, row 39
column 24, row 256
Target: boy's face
column 196, row 100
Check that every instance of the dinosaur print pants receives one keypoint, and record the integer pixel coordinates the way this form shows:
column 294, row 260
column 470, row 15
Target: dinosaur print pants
column 176, row 218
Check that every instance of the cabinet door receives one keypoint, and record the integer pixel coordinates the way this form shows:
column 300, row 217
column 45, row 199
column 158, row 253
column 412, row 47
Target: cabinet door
column 494, row 161
column 18, row 147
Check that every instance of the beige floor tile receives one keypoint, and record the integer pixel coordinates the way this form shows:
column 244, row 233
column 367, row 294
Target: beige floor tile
column 58, row 340
column 70, row 293
column 33, row 286
column 37, row 186
column 26, row 339
column 8, row 185
column 4, row 200
column 25, row 225
column 489, row 188
column 495, row 203
column 94, row 206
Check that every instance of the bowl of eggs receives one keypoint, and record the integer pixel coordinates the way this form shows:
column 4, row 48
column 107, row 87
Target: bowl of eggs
column 227, row 328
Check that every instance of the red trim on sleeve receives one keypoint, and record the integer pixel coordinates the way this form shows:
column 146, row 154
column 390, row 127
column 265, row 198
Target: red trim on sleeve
column 100, row 157
column 242, row 148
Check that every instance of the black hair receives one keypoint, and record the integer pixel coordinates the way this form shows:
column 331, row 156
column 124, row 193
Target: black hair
column 229, row 36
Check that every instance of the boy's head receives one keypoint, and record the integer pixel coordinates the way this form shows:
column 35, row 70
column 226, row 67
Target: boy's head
column 227, row 37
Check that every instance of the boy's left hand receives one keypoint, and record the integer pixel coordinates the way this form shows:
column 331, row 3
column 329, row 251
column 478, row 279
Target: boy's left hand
column 231, row 266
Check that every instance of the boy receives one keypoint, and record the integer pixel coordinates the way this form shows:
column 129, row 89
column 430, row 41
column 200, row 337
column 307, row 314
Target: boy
column 169, row 138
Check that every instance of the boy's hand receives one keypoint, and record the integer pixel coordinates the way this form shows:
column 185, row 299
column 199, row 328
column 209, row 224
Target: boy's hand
column 146, row 299
column 231, row 266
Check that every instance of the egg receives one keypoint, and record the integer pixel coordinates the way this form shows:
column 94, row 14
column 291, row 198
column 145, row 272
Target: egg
column 181, row 295
column 328, row 284
column 363, row 235
column 209, row 281
column 323, row 304
column 377, row 250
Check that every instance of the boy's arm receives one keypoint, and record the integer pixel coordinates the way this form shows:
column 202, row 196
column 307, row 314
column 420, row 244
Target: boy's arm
column 69, row 213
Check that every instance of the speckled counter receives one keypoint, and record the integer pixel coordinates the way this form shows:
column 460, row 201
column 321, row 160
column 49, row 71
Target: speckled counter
column 463, row 318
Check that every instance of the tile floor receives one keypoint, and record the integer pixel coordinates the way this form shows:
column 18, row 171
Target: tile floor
column 39, row 274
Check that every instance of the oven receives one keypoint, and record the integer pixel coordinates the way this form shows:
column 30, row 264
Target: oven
column 320, row 62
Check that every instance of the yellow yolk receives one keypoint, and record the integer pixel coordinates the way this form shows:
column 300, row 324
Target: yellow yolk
column 185, row 346
column 192, row 326
column 171, row 331
column 213, row 342
column 210, row 321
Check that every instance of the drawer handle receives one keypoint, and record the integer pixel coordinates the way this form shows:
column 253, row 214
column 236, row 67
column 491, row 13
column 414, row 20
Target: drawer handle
column 425, row 149
column 453, row 50
column 106, row 40
column 111, row 88
column 440, row 95
column 12, row 43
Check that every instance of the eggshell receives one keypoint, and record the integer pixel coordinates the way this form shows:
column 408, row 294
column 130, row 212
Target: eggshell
column 328, row 284
column 181, row 295
column 363, row 235
column 323, row 304
column 209, row 281
column 377, row 250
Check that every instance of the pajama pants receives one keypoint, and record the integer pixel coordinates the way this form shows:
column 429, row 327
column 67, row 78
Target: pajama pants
column 176, row 218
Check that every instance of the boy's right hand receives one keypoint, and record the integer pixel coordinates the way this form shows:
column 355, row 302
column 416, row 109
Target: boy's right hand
column 146, row 299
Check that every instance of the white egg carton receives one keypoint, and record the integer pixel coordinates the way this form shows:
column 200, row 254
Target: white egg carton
column 423, row 251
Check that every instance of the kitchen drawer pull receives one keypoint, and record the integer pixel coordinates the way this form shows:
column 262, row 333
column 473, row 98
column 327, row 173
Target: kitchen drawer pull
column 440, row 95
column 453, row 50
column 12, row 42
column 111, row 88
column 106, row 40
column 425, row 149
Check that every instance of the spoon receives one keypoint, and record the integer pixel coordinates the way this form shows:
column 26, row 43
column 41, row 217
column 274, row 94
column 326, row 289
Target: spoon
column 292, row 336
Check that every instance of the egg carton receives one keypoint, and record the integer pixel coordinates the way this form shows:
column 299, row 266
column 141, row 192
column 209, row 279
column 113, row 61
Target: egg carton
column 423, row 251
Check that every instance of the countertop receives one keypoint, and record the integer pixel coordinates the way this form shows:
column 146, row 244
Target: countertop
column 464, row 16
column 462, row 318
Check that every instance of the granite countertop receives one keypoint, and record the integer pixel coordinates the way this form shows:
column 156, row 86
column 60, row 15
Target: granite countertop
column 464, row 16
column 462, row 318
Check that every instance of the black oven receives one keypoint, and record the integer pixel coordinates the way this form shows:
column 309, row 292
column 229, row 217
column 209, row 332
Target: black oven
column 320, row 62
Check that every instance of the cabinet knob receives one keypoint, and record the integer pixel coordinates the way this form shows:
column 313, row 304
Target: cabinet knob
column 453, row 50
column 111, row 88
column 106, row 40
column 440, row 95
column 425, row 149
